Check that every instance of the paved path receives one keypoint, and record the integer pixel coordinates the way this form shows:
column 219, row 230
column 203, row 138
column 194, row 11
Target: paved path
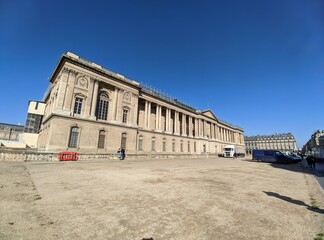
column 318, row 172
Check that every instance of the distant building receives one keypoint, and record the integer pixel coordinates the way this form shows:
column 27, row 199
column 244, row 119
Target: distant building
column 316, row 141
column 11, row 132
column 283, row 142
column 90, row 108
column 11, row 135
column 34, row 119
column 19, row 136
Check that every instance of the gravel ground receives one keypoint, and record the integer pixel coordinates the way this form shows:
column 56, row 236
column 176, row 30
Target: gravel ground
column 207, row 198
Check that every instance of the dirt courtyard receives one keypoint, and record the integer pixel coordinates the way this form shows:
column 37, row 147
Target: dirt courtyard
column 205, row 198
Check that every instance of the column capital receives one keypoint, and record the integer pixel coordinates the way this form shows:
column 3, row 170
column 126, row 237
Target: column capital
column 95, row 80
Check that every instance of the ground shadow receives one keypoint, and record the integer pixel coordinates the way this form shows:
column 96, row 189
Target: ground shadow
column 295, row 167
column 294, row 201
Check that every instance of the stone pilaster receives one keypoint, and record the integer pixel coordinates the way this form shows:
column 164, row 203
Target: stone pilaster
column 68, row 100
column 94, row 98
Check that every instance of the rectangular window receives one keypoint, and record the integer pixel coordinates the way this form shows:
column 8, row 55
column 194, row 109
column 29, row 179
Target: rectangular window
column 164, row 146
column 173, row 146
column 78, row 105
column 125, row 113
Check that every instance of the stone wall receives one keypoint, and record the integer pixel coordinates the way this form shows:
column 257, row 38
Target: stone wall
column 26, row 155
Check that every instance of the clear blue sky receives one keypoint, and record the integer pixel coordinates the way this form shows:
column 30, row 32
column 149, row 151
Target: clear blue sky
column 256, row 64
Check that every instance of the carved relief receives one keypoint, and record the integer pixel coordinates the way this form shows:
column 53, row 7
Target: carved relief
column 127, row 97
column 82, row 82
column 68, row 70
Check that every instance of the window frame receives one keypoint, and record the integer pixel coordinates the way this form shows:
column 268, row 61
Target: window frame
column 74, row 137
column 101, row 139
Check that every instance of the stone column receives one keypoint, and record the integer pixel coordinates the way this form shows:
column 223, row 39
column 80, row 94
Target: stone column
column 94, row 98
column 176, row 123
column 203, row 128
column 145, row 114
column 196, row 128
column 183, row 124
column 161, row 128
column 190, row 126
column 149, row 114
column 169, row 128
column 157, row 118
column 167, row 120
column 221, row 133
column 217, row 132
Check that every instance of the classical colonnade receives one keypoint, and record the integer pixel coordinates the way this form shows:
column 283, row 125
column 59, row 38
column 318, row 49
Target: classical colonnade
column 181, row 123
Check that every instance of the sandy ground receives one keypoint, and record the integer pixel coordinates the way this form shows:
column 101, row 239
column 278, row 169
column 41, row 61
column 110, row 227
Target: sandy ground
column 212, row 198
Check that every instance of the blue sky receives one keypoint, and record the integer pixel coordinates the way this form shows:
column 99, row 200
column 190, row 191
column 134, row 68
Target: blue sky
column 255, row 64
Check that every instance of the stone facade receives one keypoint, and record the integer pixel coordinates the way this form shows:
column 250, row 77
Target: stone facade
column 315, row 142
column 35, row 114
column 283, row 142
column 91, row 109
column 11, row 132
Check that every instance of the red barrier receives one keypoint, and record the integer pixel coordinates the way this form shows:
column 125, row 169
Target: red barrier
column 68, row 156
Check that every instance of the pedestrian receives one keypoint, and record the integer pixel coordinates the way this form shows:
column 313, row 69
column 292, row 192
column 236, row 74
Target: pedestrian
column 119, row 153
column 122, row 151
column 311, row 161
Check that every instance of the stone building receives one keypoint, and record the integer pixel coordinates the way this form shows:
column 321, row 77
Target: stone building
column 92, row 109
column 11, row 132
column 283, row 142
column 315, row 142
column 34, row 119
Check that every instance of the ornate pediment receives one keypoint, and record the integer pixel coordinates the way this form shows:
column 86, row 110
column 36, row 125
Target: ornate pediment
column 210, row 114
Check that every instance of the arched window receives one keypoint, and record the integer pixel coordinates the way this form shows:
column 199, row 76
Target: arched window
column 102, row 107
column 140, row 142
column 153, row 144
column 74, row 135
column 164, row 145
column 123, row 141
column 101, row 139
column 173, row 145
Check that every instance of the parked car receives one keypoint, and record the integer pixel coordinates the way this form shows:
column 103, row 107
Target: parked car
column 294, row 157
column 273, row 156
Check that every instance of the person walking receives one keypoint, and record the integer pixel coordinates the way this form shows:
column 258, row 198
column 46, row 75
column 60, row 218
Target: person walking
column 119, row 154
column 311, row 161
column 122, row 151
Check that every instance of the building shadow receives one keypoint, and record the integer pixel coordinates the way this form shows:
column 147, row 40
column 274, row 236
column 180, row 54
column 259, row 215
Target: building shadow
column 295, row 167
column 295, row 201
